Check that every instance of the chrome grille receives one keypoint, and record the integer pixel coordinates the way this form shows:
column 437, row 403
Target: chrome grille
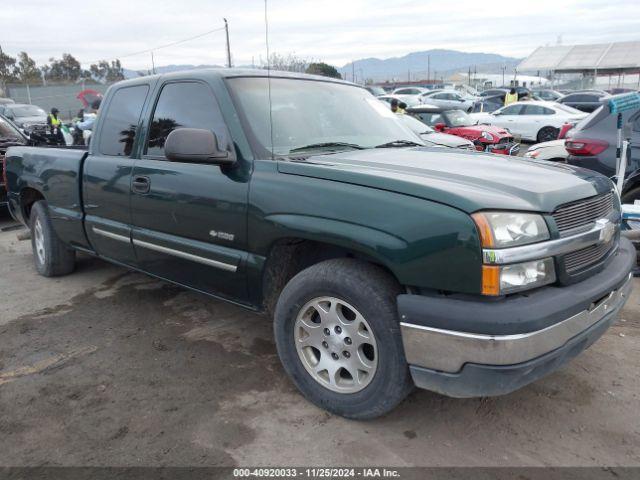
column 582, row 213
column 580, row 259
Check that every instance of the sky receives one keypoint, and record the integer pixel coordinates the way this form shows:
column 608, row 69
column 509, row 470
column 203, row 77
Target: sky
column 334, row 31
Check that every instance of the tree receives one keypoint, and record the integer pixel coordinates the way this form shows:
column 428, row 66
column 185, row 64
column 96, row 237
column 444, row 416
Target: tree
column 321, row 68
column 288, row 63
column 109, row 72
column 7, row 68
column 26, row 70
column 67, row 69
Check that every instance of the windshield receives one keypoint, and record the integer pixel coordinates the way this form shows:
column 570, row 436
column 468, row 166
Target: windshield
column 7, row 130
column 309, row 112
column 28, row 111
column 458, row 118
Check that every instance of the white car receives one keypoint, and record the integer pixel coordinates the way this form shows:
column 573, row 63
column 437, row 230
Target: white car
column 410, row 100
column 410, row 91
column 532, row 120
column 552, row 151
column 449, row 99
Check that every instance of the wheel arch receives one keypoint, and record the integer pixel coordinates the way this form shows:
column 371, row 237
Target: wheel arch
column 288, row 256
column 28, row 197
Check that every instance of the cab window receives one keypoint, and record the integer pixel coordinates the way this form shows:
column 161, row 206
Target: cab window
column 121, row 121
column 188, row 105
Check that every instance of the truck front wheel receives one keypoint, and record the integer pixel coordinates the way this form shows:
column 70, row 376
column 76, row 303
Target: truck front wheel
column 52, row 257
column 338, row 337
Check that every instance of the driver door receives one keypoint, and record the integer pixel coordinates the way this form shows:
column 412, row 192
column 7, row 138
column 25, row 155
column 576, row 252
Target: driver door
column 190, row 219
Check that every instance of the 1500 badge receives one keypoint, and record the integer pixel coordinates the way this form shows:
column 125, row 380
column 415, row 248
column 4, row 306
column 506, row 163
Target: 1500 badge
column 222, row 235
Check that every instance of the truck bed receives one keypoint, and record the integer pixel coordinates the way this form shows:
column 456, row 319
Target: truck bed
column 56, row 171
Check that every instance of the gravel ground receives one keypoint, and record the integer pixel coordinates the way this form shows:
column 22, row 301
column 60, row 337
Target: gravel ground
column 109, row 367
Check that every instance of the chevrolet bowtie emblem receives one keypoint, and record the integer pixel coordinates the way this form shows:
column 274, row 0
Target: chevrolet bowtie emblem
column 607, row 229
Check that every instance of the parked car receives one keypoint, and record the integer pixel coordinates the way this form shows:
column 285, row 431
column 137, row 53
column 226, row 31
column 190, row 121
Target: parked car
column 546, row 94
column 586, row 101
column 449, row 99
column 502, row 91
column 385, row 264
column 410, row 100
column 592, row 144
column 6, row 101
column 432, row 138
column 486, row 138
column 376, row 90
column 410, row 91
column 532, row 120
column 552, row 151
column 492, row 92
column 488, row 104
column 25, row 116
column 9, row 136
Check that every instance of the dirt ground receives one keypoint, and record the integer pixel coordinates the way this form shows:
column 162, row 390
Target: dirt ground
column 109, row 367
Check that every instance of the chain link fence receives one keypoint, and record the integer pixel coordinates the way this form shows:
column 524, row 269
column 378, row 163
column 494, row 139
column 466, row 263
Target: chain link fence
column 63, row 97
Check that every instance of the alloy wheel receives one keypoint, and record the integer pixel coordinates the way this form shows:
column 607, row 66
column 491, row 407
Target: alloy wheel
column 39, row 242
column 336, row 345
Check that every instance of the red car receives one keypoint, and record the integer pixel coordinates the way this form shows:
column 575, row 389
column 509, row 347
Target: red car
column 486, row 138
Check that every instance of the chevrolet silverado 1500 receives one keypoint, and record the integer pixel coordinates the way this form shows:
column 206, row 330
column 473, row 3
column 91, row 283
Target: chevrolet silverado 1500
column 385, row 264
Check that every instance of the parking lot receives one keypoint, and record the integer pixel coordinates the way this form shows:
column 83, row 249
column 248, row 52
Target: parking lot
column 110, row 367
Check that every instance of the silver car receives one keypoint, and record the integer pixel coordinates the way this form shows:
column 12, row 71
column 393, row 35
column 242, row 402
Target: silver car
column 448, row 99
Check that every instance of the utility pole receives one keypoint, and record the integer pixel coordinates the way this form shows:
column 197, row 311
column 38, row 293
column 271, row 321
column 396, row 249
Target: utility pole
column 428, row 68
column 226, row 31
column 353, row 71
column 408, row 75
column 153, row 64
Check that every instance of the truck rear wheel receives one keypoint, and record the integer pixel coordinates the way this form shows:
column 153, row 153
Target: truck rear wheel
column 338, row 337
column 51, row 256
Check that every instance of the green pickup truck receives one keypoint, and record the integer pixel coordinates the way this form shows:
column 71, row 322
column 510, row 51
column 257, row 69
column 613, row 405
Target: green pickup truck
column 384, row 263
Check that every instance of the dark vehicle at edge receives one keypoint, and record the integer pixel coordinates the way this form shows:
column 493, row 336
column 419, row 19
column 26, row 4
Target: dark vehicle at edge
column 592, row 144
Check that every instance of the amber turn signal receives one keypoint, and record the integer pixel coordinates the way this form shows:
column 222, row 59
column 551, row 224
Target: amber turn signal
column 490, row 280
column 484, row 229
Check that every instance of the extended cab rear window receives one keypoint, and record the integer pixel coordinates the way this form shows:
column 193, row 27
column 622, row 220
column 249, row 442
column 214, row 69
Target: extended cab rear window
column 121, row 121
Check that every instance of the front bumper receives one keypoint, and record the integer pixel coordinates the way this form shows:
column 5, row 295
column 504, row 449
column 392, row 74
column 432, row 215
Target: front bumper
column 509, row 346
column 510, row 148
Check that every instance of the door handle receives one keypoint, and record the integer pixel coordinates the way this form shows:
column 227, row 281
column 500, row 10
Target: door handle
column 141, row 184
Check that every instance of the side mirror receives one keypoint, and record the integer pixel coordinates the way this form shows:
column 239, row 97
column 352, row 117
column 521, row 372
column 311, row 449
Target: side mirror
column 439, row 127
column 196, row 145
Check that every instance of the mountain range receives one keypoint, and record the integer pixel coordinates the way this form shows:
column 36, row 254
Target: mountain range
column 417, row 65
column 440, row 63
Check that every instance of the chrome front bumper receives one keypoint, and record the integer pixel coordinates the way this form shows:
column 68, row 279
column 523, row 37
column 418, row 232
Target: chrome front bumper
column 448, row 351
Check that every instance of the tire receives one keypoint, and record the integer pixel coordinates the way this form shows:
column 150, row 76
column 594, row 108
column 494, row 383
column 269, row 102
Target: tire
column 364, row 297
column 546, row 134
column 631, row 195
column 51, row 256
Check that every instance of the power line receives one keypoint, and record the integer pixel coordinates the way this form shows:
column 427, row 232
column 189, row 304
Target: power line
column 166, row 45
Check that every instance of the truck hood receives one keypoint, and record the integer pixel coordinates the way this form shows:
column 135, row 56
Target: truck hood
column 464, row 180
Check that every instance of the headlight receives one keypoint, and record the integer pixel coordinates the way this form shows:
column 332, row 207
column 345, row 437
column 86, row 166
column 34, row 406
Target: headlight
column 506, row 229
column 487, row 136
column 501, row 280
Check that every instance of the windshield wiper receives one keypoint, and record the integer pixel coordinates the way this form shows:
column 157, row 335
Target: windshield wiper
column 400, row 143
column 327, row 145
